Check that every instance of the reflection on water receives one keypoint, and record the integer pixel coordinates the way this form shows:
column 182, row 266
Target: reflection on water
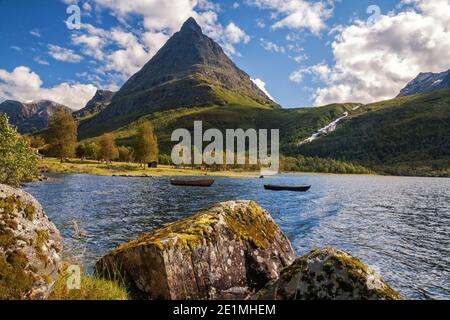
column 400, row 226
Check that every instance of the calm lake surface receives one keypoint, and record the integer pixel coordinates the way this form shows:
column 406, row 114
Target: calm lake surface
column 399, row 226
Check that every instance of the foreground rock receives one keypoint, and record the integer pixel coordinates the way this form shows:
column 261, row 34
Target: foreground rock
column 30, row 247
column 226, row 252
column 328, row 274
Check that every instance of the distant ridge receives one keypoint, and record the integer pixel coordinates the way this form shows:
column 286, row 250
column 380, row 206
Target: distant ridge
column 31, row 117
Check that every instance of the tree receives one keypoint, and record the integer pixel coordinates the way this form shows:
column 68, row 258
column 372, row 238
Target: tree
column 81, row 151
column 146, row 148
column 92, row 151
column 108, row 148
column 62, row 135
column 125, row 154
column 36, row 142
column 18, row 161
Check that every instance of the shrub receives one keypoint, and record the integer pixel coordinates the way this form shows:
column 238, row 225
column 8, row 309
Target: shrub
column 18, row 161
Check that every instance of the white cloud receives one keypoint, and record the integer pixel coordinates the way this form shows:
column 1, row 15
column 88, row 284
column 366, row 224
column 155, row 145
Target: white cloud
column 297, row 14
column 375, row 62
column 260, row 23
column 121, row 53
column 270, row 46
column 16, row 48
column 23, row 84
column 297, row 76
column 234, row 34
column 63, row 54
column 35, row 33
column 41, row 61
column 262, row 86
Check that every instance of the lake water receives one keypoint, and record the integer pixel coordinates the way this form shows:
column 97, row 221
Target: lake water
column 399, row 226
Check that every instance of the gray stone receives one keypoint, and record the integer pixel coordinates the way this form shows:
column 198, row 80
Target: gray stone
column 328, row 274
column 225, row 252
column 30, row 247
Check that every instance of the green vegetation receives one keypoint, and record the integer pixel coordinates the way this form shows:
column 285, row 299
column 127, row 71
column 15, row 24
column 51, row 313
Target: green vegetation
column 315, row 164
column 18, row 161
column 403, row 136
column 91, row 288
column 125, row 154
column 146, row 146
column 62, row 135
column 15, row 281
column 131, row 170
column 88, row 150
column 294, row 124
column 108, row 148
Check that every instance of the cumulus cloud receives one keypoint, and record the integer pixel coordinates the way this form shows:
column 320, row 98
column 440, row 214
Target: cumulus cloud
column 23, row 84
column 262, row 86
column 297, row 14
column 374, row 62
column 122, row 53
column 63, row 54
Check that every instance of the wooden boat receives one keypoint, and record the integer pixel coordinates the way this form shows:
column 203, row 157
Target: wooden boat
column 192, row 183
column 287, row 188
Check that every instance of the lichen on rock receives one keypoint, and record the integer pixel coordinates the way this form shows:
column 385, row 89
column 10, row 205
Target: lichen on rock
column 30, row 247
column 225, row 252
column 328, row 274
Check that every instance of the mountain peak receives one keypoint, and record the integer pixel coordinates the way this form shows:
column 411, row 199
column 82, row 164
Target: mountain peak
column 427, row 82
column 190, row 70
column 191, row 25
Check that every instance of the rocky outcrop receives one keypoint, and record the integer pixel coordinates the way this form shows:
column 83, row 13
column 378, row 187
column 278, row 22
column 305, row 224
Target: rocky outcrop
column 98, row 103
column 225, row 252
column 328, row 274
column 30, row 247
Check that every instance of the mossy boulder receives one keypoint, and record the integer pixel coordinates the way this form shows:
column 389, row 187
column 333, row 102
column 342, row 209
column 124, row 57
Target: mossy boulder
column 328, row 274
column 30, row 247
column 226, row 252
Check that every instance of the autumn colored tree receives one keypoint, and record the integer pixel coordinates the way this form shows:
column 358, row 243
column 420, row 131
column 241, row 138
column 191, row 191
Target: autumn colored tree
column 125, row 154
column 108, row 147
column 146, row 147
column 62, row 135
column 18, row 161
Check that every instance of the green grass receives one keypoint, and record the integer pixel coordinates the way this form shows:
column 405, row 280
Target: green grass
column 91, row 288
column 53, row 165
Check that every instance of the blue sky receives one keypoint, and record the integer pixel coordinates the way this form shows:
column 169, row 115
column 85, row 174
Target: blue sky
column 306, row 52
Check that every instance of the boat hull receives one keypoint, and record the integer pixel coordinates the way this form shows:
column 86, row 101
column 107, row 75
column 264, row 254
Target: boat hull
column 192, row 183
column 287, row 188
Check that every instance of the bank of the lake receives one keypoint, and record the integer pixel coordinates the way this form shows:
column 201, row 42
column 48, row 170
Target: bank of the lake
column 91, row 167
column 120, row 169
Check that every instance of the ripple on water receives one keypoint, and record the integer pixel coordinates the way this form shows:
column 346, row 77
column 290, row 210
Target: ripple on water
column 400, row 226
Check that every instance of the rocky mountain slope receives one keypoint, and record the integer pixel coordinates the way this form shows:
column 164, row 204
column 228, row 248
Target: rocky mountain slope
column 427, row 82
column 98, row 103
column 31, row 117
column 190, row 70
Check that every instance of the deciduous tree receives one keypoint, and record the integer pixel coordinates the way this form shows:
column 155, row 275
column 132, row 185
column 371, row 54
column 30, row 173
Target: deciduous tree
column 18, row 161
column 146, row 147
column 108, row 147
column 62, row 135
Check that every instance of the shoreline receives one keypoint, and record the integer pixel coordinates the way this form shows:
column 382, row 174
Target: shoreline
column 133, row 170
